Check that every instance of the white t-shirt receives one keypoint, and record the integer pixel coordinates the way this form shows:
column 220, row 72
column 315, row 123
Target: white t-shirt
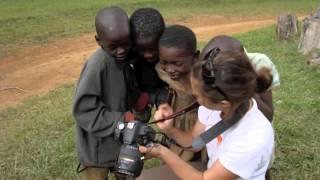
column 245, row 149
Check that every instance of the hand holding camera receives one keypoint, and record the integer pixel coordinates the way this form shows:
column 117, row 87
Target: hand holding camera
column 131, row 135
column 152, row 150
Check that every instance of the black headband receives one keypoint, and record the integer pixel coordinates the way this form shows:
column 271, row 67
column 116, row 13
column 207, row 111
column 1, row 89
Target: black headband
column 208, row 70
column 208, row 73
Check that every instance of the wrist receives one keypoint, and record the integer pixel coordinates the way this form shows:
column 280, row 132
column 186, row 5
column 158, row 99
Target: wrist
column 162, row 151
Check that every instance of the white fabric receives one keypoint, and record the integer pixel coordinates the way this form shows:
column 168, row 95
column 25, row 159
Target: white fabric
column 259, row 60
column 246, row 147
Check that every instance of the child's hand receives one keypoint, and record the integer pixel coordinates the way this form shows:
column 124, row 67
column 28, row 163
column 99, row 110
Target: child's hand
column 163, row 111
column 152, row 150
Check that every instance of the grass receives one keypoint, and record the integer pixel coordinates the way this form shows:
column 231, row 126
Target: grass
column 39, row 21
column 297, row 105
column 37, row 138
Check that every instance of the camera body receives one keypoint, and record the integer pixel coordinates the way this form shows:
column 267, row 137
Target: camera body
column 132, row 134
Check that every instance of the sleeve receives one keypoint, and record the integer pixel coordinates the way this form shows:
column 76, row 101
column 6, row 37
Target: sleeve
column 260, row 60
column 90, row 112
column 208, row 117
column 202, row 115
column 275, row 76
column 243, row 159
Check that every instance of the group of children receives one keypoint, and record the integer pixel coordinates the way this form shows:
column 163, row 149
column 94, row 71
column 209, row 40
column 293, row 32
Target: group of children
column 139, row 59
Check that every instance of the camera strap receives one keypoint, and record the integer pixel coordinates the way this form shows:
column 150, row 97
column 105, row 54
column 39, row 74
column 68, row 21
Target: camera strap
column 213, row 132
column 189, row 108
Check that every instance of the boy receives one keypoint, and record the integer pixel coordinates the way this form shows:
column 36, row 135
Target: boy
column 147, row 25
column 177, row 53
column 104, row 93
column 260, row 62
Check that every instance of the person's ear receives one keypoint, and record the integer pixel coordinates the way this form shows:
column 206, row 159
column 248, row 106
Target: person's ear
column 225, row 104
column 98, row 40
column 195, row 56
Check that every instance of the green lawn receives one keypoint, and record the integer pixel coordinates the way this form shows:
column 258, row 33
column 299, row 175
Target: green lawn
column 38, row 21
column 297, row 105
column 37, row 138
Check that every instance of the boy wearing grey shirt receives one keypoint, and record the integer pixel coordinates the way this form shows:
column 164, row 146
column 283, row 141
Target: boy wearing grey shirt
column 104, row 93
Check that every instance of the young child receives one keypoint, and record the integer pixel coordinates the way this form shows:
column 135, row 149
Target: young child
column 177, row 53
column 103, row 94
column 147, row 25
column 260, row 62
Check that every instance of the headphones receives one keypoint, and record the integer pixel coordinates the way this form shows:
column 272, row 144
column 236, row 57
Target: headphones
column 208, row 71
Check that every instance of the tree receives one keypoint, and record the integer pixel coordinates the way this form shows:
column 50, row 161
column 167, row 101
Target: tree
column 310, row 36
column 287, row 26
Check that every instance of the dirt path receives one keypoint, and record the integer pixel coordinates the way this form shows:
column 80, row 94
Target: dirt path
column 39, row 69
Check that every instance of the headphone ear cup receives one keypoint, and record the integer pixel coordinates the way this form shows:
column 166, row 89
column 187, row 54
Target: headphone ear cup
column 209, row 80
column 208, row 73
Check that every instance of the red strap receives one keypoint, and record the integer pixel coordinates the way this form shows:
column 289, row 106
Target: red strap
column 128, row 116
column 142, row 102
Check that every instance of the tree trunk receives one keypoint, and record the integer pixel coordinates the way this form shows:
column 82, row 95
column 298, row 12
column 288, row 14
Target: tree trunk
column 310, row 36
column 314, row 62
column 314, row 58
column 287, row 26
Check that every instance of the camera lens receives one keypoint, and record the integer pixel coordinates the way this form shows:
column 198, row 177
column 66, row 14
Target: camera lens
column 129, row 161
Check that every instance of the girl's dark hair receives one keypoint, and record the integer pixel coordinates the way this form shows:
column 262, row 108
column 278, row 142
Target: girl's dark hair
column 234, row 79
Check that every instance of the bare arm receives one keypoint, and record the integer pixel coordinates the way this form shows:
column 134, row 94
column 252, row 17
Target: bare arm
column 183, row 138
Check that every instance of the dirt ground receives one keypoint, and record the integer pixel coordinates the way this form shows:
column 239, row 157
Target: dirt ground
column 36, row 70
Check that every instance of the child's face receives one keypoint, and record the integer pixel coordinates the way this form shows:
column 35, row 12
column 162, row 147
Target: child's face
column 116, row 44
column 147, row 48
column 175, row 62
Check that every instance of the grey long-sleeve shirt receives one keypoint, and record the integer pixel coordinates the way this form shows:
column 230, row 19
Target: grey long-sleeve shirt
column 100, row 102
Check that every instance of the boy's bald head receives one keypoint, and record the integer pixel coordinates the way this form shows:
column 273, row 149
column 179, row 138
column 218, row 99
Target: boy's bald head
column 112, row 22
column 224, row 43
column 113, row 32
